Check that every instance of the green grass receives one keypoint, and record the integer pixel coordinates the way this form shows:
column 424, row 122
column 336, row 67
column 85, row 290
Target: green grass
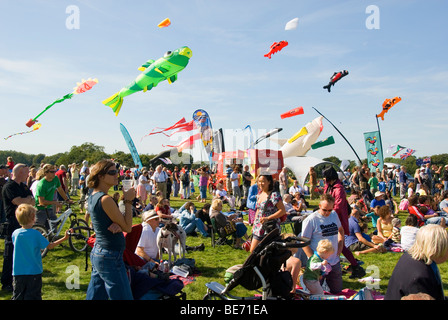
column 62, row 266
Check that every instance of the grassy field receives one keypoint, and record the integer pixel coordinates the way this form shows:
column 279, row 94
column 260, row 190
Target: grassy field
column 65, row 276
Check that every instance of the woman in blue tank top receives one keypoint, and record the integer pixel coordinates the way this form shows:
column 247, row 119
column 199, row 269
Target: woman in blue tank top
column 109, row 279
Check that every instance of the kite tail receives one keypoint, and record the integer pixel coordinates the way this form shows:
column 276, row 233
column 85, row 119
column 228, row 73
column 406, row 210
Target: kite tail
column 328, row 87
column 115, row 102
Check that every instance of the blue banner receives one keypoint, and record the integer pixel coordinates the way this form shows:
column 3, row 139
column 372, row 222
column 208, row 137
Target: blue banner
column 374, row 151
column 131, row 146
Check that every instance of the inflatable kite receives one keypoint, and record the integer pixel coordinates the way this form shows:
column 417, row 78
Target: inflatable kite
column 267, row 135
column 335, row 78
column 81, row 87
column 204, row 125
column 292, row 113
column 165, row 23
column 153, row 72
column 323, row 143
column 276, row 47
column 387, row 104
column 131, row 146
column 36, row 126
column 300, row 143
column 185, row 144
column 182, row 125
column 291, row 25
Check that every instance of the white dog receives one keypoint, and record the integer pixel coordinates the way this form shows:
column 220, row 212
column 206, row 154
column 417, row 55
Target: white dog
column 167, row 238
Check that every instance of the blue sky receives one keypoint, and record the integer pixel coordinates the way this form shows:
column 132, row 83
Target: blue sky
column 41, row 60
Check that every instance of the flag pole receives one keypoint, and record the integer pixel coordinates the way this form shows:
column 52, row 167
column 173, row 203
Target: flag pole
column 360, row 162
column 381, row 142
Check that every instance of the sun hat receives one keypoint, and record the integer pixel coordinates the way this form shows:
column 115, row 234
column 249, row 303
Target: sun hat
column 149, row 215
column 378, row 194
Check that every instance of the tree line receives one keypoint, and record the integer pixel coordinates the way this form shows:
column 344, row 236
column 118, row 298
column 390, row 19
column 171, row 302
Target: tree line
column 77, row 154
column 410, row 162
column 93, row 153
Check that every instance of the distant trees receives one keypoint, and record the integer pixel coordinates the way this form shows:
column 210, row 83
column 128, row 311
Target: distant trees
column 77, row 154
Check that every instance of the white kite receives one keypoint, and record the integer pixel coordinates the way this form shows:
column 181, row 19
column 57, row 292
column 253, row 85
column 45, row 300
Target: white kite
column 291, row 25
column 300, row 143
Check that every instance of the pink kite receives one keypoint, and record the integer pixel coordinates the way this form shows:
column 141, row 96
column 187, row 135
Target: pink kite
column 84, row 85
column 187, row 143
column 181, row 124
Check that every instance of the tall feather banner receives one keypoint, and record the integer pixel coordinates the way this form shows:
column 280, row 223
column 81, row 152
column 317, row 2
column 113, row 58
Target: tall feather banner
column 374, row 151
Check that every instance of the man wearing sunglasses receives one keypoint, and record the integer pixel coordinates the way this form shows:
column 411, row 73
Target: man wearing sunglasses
column 45, row 195
column 324, row 224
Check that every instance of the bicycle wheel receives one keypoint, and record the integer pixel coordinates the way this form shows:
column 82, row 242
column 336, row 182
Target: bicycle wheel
column 44, row 232
column 81, row 233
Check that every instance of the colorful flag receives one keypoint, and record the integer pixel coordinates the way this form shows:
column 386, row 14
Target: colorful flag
column 204, row 125
column 131, row 146
column 407, row 153
column 374, row 152
column 397, row 151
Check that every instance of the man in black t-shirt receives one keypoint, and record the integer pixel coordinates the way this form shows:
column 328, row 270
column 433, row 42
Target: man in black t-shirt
column 247, row 181
column 15, row 192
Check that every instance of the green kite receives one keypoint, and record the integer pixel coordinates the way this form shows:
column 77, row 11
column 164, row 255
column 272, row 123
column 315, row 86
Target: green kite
column 153, row 72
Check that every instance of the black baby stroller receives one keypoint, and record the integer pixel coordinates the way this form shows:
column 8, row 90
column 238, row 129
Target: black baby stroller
column 262, row 269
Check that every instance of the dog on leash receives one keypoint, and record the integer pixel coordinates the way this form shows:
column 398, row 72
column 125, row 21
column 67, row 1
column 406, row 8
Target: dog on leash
column 168, row 236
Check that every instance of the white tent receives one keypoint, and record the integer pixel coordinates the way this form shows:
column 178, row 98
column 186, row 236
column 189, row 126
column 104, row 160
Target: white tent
column 300, row 166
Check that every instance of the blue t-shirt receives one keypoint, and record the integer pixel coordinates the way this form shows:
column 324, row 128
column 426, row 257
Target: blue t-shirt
column 27, row 258
column 374, row 218
column 382, row 186
column 353, row 227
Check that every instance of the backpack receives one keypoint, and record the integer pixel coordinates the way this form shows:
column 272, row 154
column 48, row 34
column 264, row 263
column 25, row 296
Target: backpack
column 185, row 178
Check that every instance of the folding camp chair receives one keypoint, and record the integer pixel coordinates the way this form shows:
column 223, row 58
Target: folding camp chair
column 218, row 238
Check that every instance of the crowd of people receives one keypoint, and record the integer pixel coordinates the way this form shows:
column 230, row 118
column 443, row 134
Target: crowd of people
column 356, row 215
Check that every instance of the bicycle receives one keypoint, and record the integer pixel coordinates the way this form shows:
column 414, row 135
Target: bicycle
column 76, row 238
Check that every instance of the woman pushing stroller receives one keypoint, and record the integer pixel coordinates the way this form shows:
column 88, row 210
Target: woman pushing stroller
column 269, row 209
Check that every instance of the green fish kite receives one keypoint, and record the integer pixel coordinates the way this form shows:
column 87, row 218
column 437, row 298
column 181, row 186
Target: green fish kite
column 153, row 72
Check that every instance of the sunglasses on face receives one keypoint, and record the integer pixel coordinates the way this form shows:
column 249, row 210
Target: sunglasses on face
column 51, row 171
column 112, row 172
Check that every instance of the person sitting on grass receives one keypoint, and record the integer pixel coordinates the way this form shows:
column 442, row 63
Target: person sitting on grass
column 222, row 194
column 163, row 209
column 384, row 225
column 356, row 241
column 408, row 232
column 189, row 222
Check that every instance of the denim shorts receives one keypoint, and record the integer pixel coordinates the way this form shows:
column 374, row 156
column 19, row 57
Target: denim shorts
column 109, row 279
